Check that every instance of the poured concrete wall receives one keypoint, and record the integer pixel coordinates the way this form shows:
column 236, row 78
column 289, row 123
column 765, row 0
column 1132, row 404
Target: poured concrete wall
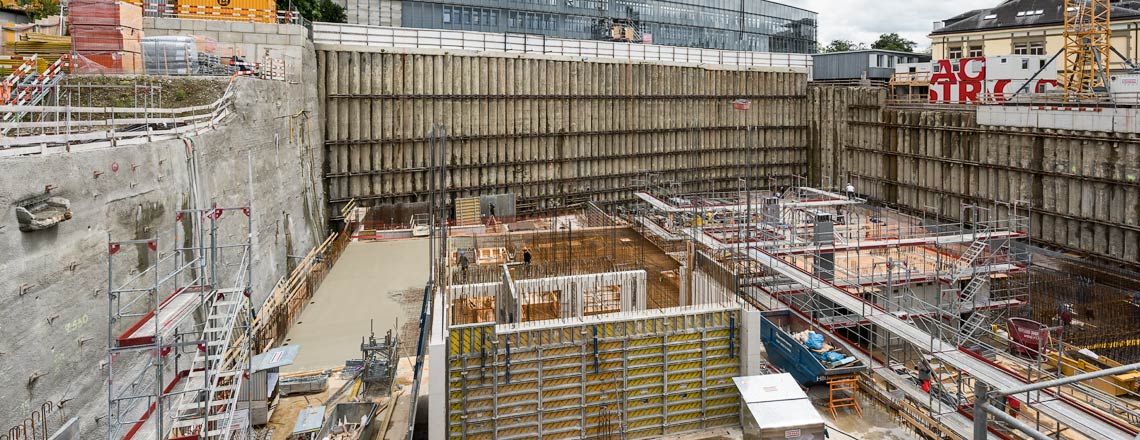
column 550, row 130
column 1083, row 186
column 57, row 329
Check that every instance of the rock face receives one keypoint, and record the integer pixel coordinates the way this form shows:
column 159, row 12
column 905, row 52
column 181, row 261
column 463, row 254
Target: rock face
column 41, row 212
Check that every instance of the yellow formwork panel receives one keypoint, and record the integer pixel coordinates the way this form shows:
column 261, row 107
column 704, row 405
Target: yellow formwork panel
column 678, row 357
column 642, row 371
column 506, row 400
column 550, row 415
column 718, row 392
column 511, row 432
column 638, row 414
column 712, row 363
column 521, row 377
column 638, row 403
column 678, row 377
column 611, row 345
column 685, row 337
column 721, row 412
column 693, row 426
column 684, row 366
column 482, row 436
column 560, row 351
column 719, row 381
column 732, row 370
column 690, row 386
column 561, row 403
column 559, row 425
column 721, row 401
column 504, row 389
column 641, row 342
column 471, row 339
column 689, row 404
column 555, row 394
column 561, row 381
column 561, row 370
column 645, row 351
column 718, row 334
column 721, row 352
column 561, row 435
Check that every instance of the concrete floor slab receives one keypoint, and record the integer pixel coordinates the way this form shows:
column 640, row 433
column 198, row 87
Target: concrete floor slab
column 368, row 282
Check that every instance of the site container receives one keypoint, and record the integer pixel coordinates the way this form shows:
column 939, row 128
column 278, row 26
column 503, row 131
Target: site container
column 258, row 11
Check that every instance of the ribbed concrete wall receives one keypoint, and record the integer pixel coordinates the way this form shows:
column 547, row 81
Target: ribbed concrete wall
column 552, row 131
column 1084, row 187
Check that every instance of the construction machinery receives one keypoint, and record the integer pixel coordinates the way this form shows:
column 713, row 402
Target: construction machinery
column 1087, row 33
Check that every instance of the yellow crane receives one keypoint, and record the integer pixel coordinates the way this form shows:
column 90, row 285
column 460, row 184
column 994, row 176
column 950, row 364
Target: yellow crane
column 1087, row 35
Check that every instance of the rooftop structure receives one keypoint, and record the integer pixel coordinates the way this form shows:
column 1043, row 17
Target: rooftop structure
column 755, row 25
column 1026, row 27
column 873, row 65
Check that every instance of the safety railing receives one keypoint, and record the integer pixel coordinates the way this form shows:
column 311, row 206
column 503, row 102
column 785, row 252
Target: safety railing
column 379, row 36
column 48, row 129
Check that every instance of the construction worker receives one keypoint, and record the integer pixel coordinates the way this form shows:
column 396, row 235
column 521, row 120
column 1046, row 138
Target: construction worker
column 463, row 264
column 924, row 376
column 527, row 257
column 850, row 191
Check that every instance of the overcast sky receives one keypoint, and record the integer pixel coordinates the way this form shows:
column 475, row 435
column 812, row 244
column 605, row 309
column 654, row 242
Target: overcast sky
column 864, row 20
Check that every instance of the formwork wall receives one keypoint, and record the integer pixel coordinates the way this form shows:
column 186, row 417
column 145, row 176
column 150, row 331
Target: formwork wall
column 553, row 131
column 595, row 378
column 1084, row 186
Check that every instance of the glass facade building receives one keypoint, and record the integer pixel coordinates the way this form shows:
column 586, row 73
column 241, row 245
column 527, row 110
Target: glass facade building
column 747, row 25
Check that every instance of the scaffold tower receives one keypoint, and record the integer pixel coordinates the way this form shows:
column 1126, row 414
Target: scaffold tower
column 179, row 328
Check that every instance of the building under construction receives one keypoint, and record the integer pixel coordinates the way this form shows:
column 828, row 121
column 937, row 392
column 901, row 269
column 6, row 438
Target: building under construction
column 362, row 231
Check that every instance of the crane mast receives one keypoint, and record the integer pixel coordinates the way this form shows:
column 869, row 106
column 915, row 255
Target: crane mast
column 1087, row 43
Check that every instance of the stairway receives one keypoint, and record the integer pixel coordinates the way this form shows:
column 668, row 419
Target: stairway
column 210, row 413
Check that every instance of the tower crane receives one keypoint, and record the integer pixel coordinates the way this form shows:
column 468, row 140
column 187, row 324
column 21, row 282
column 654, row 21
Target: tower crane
column 1087, row 44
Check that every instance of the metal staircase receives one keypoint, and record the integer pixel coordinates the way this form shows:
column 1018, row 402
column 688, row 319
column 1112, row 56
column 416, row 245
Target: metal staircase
column 210, row 413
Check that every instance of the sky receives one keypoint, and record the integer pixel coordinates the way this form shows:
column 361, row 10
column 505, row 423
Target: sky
column 864, row 20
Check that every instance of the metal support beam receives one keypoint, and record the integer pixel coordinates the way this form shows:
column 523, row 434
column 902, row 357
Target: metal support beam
column 1008, row 419
column 1066, row 380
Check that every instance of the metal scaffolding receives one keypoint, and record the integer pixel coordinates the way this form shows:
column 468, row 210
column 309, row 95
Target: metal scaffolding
column 179, row 329
column 903, row 293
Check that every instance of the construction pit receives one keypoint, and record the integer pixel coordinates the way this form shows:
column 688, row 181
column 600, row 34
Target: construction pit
column 599, row 244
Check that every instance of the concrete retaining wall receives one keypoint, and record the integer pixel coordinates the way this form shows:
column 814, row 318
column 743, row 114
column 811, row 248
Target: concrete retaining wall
column 554, row 131
column 1084, row 186
column 57, row 328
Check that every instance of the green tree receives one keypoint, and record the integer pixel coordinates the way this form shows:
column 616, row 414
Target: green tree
column 843, row 46
column 38, row 9
column 315, row 10
column 894, row 41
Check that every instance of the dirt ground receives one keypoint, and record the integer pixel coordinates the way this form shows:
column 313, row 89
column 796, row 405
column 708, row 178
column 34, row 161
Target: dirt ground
column 175, row 92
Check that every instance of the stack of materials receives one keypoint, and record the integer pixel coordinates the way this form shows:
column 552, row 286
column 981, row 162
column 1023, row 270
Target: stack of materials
column 170, row 55
column 47, row 47
column 107, row 33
